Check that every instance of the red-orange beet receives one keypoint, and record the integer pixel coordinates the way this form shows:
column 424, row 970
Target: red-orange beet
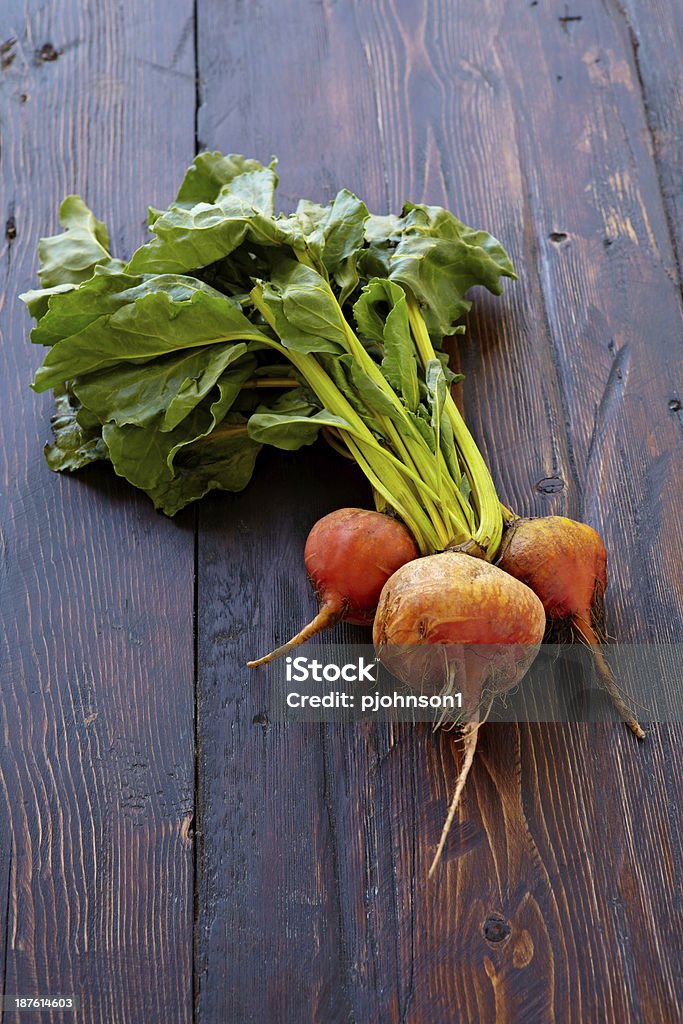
column 349, row 556
column 565, row 563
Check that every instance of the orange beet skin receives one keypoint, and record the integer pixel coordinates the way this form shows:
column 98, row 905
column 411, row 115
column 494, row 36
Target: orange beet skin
column 349, row 556
column 453, row 622
column 453, row 598
column 563, row 561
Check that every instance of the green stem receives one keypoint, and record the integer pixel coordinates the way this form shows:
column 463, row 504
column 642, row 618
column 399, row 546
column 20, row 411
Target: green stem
column 384, row 470
column 272, row 382
column 408, row 476
column 414, row 448
column 222, row 431
column 490, row 529
column 443, row 508
column 412, row 515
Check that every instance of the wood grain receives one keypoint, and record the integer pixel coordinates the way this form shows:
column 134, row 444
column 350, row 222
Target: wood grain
column 559, row 898
column 555, row 900
column 656, row 38
column 268, row 861
column 611, row 297
column 96, row 630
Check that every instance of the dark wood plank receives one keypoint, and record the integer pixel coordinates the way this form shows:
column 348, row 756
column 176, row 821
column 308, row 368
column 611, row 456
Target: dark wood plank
column 656, row 38
column 611, row 295
column 269, row 900
column 274, row 941
column 316, row 841
column 5, row 874
column 96, row 627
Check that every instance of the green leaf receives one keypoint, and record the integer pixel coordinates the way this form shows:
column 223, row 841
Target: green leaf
column 157, row 317
column 337, row 237
column 71, row 257
column 372, row 394
column 224, row 460
column 72, row 309
column 380, row 228
column 37, row 299
column 74, row 445
column 435, row 380
column 254, row 190
column 307, row 317
column 465, row 487
column 338, row 369
column 424, row 428
column 382, row 315
column 209, row 173
column 207, row 451
column 310, row 215
column 438, row 380
column 447, row 442
column 437, row 389
column 438, row 258
column 451, row 378
column 233, row 371
column 292, row 421
column 235, row 274
column 188, row 238
column 170, row 387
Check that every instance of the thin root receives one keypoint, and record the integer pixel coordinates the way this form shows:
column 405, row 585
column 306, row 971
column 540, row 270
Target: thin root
column 470, row 733
column 607, row 677
column 329, row 615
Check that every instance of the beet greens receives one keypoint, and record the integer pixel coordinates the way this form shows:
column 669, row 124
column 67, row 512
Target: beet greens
column 234, row 327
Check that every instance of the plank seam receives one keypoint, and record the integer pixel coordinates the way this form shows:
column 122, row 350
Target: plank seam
column 194, row 973
column 196, row 830
column 410, row 993
column 197, row 85
column 334, row 843
column 6, row 950
column 634, row 43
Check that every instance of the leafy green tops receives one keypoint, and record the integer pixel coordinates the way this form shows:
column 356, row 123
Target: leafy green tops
column 235, row 327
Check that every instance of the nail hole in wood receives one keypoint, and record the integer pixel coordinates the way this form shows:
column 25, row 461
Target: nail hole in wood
column 495, row 929
column 550, row 485
column 47, row 53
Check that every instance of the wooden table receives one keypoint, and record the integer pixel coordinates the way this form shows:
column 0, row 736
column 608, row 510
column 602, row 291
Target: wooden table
column 166, row 851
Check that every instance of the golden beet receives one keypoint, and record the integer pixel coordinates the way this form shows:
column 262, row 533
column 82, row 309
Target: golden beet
column 434, row 609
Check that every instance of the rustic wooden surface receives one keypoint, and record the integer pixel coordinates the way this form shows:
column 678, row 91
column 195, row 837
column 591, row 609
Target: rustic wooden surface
column 96, row 613
column 298, row 890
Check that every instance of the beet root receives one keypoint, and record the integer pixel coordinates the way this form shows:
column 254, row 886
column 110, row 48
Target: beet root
column 453, row 622
column 434, row 610
column 349, row 556
column 565, row 564
column 470, row 734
